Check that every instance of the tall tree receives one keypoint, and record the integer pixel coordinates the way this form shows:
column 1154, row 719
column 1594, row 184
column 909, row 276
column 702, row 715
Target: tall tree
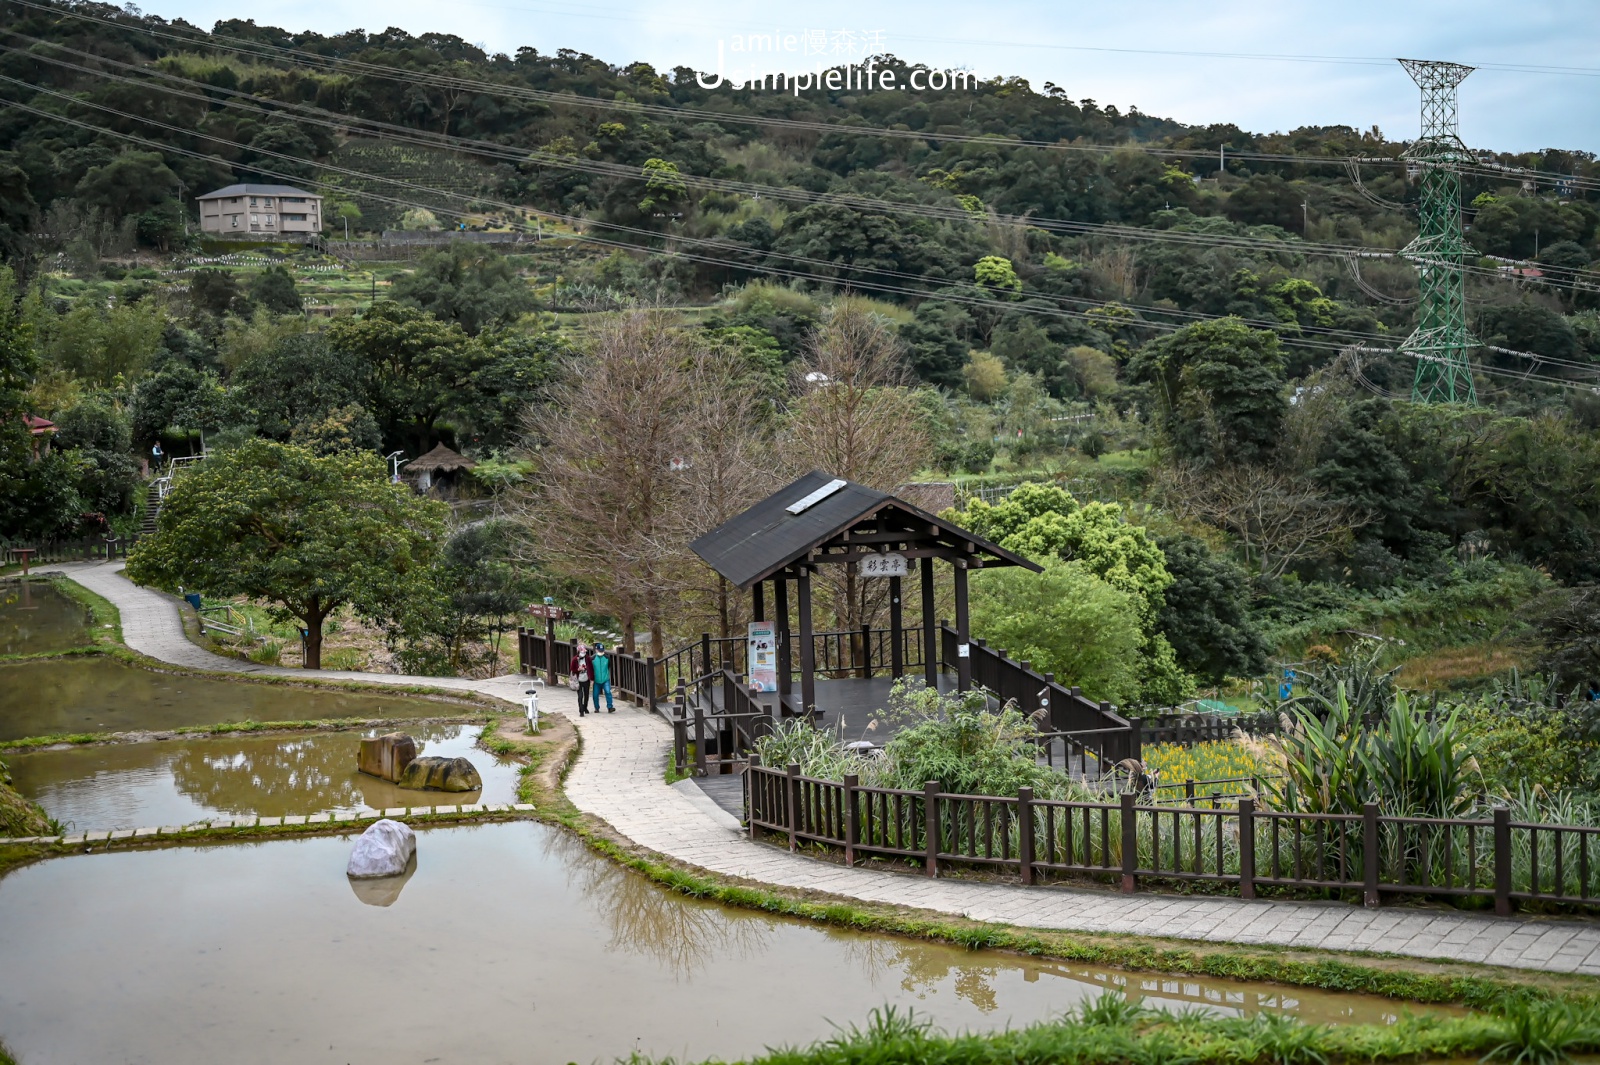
column 601, row 508
column 307, row 534
column 852, row 413
column 1220, row 389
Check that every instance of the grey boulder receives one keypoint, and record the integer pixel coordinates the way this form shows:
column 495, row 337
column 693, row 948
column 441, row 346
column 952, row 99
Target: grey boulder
column 385, row 849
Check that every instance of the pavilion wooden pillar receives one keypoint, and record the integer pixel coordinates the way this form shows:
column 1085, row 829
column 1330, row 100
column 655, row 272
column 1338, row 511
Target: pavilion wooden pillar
column 963, row 635
column 897, row 657
column 808, row 656
column 930, row 631
column 758, row 602
column 780, row 597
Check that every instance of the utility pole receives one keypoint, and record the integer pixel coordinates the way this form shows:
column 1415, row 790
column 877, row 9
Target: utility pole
column 1440, row 341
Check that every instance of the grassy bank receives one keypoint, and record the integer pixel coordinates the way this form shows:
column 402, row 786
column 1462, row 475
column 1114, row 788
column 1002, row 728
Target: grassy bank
column 1111, row 1031
column 1474, row 986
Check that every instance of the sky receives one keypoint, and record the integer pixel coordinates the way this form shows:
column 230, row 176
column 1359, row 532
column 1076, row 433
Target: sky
column 1334, row 62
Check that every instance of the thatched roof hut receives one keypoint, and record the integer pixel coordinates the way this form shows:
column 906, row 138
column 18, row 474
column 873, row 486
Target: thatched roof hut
column 438, row 470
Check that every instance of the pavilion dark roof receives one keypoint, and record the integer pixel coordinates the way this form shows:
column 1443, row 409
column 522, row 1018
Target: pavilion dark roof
column 759, row 542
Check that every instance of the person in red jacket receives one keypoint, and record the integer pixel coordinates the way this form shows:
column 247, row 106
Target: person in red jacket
column 582, row 671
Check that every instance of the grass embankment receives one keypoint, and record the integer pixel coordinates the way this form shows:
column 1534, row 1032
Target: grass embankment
column 1113, row 1031
column 1474, row 986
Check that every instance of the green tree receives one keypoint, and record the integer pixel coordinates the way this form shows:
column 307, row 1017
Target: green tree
column 130, row 184
column 1064, row 621
column 664, row 187
column 935, row 340
column 99, row 345
column 472, row 286
column 37, row 498
column 296, row 380
column 1219, row 389
column 416, row 365
column 307, row 534
column 996, row 273
column 1205, row 614
column 274, row 289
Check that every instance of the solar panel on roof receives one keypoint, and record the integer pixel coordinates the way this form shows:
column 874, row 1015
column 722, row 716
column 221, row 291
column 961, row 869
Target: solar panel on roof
column 807, row 502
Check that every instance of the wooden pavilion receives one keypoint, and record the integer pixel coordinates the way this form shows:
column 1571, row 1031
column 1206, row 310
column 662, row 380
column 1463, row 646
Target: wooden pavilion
column 824, row 520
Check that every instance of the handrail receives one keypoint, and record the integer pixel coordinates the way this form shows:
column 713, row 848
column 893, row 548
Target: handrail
column 1239, row 848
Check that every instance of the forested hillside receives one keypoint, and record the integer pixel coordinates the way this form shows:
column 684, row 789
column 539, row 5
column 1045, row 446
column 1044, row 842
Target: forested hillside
column 1200, row 323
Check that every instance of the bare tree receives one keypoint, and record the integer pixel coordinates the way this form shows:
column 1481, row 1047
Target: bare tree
column 729, row 465
column 854, row 414
column 601, row 508
column 1279, row 517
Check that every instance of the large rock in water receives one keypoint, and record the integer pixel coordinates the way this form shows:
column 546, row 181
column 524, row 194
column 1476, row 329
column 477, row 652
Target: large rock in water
column 441, row 774
column 386, row 756
column 385, row 849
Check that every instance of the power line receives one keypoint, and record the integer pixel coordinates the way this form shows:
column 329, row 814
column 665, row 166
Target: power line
column 345, row 123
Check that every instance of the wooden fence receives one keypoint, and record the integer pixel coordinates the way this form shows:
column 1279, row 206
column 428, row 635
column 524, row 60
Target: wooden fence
column 1239, row 848
column 86, row 549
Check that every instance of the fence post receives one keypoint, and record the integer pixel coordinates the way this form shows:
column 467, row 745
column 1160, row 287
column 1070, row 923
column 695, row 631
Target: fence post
column 750, row 786
column 792, row 801
column 1247, row 848
column 1502, row 861
column 1188, row 791
column 866, row 651
column 705, row 655
column 852, row 818
column 700, row 740
column 1136, row 738
column 930, row 827
column 650, row 685
column 1025, row 833
column 1369, row 853
column 1130, row 841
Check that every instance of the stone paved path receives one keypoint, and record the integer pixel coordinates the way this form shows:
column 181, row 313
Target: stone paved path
column 620, row 778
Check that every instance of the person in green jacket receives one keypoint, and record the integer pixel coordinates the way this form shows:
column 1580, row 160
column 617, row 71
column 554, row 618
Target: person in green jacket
column 602, row 678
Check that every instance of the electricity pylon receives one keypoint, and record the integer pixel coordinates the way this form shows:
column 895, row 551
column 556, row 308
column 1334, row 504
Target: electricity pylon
column 1441, row 341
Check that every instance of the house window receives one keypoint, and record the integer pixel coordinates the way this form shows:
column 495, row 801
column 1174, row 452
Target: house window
column 255, row 220
column 253, row 201
column 294, row 199
column 235, row 220
column 294, row 218
column 267, row 202
column 271, row 220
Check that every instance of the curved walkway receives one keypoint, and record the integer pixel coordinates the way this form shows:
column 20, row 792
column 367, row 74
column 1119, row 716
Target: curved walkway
column 620, row 779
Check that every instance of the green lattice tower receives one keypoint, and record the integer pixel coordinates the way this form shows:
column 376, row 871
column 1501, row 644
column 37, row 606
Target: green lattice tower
column 1441, row 341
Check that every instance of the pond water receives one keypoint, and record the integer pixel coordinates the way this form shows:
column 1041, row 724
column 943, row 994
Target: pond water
column 176, row 782
column 505, row 943
column 37, row 618
column 99, row 694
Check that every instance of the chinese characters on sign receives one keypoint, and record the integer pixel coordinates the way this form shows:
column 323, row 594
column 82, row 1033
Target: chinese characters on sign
column 890, row 565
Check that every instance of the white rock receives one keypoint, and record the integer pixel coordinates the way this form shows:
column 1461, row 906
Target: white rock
column 385, row 849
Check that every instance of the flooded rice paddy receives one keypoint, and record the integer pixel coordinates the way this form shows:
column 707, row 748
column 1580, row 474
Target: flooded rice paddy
column 180, row 781
column 36, row 617
column 505, row 943
column 72, row 695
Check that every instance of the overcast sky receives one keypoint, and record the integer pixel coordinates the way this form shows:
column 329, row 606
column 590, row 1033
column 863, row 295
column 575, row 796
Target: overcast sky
column 1075, row 44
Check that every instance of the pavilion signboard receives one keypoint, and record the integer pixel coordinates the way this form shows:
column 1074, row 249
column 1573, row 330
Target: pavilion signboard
column 763, row 656
column 892, row 564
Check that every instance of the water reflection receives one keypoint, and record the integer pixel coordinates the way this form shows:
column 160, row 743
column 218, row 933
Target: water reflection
column 41, row 698
column 38, row 618
column 168, row 782
column 382, row 890
column 640, row 917
column 570, row 960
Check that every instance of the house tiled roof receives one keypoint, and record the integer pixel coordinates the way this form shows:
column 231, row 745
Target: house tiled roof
column 258, row 190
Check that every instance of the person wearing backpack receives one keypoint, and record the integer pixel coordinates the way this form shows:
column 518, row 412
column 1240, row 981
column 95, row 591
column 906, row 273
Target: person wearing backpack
column 600, row 663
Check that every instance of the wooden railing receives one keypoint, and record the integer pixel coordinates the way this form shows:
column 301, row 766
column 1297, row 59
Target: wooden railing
column 707, row 738
column 1238, row 848
column 84, row 549
column 1110, row 736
